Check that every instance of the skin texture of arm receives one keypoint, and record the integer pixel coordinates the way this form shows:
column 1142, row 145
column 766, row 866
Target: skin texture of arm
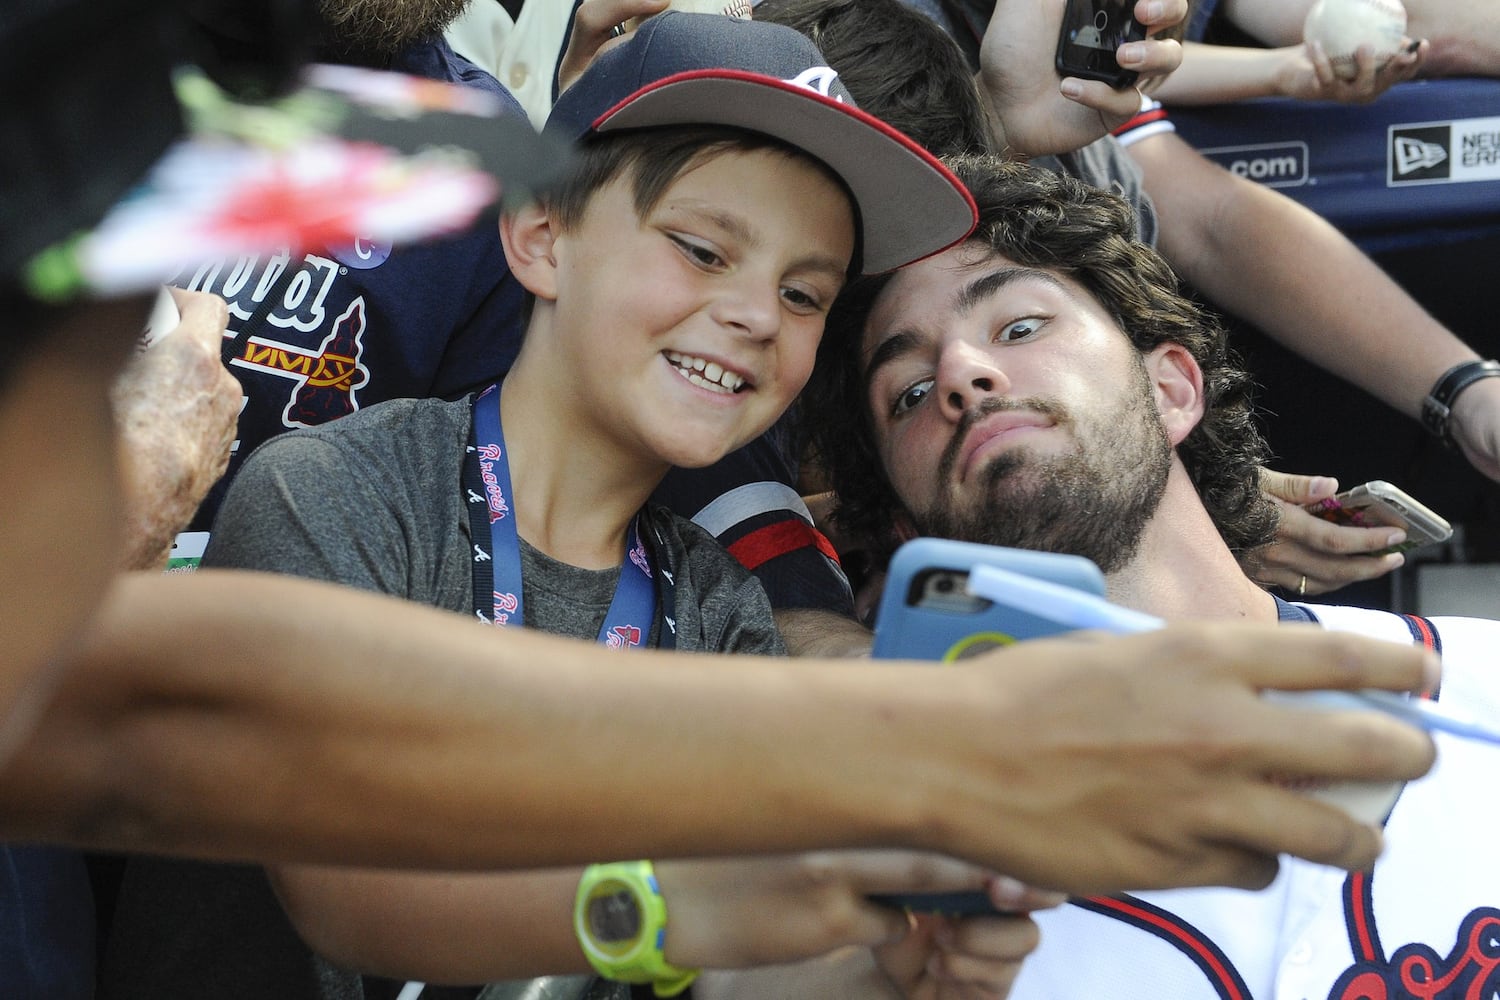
column 1217, row 74
column 235, row 715
column 1261, row 256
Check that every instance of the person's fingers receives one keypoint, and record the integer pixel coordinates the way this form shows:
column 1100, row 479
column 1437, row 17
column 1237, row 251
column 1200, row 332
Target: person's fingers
column 1150, row 58
column 593, row 33
column 1115, row 107
column 1014, row 896
column 1297, row 489
column 1161, row 15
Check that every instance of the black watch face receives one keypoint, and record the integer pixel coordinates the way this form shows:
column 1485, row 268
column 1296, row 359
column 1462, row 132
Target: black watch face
column 615, row 917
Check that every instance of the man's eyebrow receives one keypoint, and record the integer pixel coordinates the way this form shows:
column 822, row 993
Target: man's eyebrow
column 975, row 292
column 890, row 349
column 984, row 287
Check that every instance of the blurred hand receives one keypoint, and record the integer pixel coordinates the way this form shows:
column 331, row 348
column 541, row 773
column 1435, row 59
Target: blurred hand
column 732, row 913
column 177, row 408
column 591, row 33
column 966, row 958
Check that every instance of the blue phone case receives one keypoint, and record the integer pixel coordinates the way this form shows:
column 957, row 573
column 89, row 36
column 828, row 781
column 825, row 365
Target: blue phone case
column 904, row 629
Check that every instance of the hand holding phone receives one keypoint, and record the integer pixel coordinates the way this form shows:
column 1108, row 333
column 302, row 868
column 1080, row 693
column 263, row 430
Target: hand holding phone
column 1379, row 503
column 1092, row 30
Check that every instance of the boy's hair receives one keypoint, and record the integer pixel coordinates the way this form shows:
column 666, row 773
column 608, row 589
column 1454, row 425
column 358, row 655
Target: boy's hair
column 899, row 64
column 655, row 157
column 1050, row 221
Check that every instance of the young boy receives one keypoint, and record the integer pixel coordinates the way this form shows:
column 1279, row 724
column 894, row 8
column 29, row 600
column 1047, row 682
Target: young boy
column 727, row 187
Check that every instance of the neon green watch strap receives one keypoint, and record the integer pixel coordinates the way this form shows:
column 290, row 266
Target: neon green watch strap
column 620, row 918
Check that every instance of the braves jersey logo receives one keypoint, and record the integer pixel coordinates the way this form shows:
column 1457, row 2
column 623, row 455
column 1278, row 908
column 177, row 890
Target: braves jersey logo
column 1417, row 972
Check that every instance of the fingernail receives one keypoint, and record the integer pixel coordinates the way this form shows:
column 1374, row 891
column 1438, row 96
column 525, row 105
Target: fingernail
column 1072, row 89
column 1396, row 538
column 1155, row 11
column 1131, row 54
column 1318, row 485
column 1008, row 893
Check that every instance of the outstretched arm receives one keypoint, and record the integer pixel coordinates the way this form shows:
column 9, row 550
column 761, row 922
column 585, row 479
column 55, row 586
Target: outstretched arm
column 245, row 716
column 1218, row 74
column 1258, row 254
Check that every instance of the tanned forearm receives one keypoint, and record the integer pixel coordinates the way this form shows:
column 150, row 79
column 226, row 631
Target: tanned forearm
column 1258, row 254
column 243, row 716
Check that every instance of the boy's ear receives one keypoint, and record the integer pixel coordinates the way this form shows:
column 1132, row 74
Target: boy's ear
column 527, row 235
column 1177, row 383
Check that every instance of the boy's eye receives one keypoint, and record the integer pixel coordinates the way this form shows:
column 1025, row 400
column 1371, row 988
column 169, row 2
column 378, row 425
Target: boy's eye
column 1021, row 329
column 801, row 300
column 908, row 399
column 699, row 254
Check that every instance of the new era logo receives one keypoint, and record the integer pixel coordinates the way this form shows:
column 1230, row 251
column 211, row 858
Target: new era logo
column 1414, row 154
column 1420, row 154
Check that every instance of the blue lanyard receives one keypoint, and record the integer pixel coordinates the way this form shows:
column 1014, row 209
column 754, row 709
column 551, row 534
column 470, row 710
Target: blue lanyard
column 497, row 567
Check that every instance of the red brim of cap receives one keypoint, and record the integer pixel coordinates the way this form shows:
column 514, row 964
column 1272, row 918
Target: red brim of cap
column 910, row 205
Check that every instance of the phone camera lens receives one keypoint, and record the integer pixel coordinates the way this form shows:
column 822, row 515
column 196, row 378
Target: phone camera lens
column 943, row 585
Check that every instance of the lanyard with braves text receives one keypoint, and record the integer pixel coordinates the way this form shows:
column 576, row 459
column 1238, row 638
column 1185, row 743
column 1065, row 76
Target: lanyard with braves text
column 497, row 546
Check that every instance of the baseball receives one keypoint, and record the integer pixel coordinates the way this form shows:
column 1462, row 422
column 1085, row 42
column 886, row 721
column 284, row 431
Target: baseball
column 1342, row 26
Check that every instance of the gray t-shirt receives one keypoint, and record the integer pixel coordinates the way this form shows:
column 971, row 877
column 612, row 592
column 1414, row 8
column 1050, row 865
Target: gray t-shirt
column 375, row 500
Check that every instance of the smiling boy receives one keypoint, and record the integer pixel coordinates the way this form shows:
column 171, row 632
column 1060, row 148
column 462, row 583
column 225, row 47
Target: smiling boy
column 726, row 188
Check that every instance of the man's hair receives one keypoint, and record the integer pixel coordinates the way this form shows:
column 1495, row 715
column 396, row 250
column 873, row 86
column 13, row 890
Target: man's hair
column 656, row 157
column 899, row 64
column 1045, row 220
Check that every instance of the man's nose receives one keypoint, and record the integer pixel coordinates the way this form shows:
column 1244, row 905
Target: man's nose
column 966, row 375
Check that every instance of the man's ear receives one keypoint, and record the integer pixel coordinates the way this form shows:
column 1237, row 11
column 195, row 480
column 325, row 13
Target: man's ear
column 527, row 235
column 1177, row 383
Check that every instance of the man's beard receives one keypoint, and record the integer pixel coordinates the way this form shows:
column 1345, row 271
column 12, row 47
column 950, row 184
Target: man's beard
column 1094, row 501
column 385, row 27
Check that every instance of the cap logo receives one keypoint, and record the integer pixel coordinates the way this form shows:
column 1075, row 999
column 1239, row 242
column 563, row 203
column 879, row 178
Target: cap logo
column 819, row 79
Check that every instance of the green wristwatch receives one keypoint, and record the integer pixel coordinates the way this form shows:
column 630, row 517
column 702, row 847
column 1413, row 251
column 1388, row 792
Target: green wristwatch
column 621, row 922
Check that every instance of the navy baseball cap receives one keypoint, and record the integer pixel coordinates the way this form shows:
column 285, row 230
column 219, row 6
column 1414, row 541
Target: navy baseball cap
column 707, row 69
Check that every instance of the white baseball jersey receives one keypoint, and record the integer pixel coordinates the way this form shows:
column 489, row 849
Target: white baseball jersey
column 1424, row 925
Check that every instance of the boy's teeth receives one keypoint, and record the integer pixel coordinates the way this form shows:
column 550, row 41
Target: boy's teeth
column 705, row 373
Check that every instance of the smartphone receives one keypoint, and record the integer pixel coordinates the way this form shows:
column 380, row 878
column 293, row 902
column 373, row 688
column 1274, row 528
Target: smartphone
column 1379, row 503
column 1091, row 32
column 927, row 613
